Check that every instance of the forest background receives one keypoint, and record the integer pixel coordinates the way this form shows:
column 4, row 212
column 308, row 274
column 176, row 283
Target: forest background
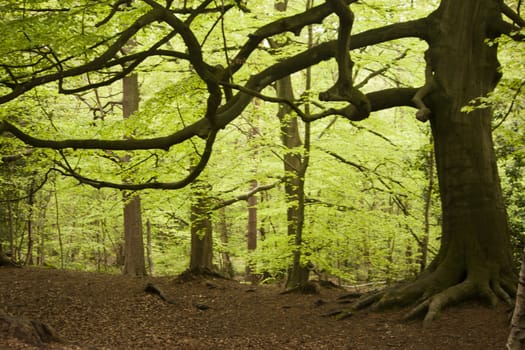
column 371, row 205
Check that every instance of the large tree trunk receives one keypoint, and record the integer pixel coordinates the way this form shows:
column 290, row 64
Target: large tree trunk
column 474, row 258
column 475, row 246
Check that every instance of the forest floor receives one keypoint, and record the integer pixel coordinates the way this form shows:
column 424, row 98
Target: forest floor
column 97, row 311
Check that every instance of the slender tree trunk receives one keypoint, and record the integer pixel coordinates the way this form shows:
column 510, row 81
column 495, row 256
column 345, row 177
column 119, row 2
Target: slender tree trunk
column 295, row 169
column 30, row 238
column 293, row 184
column 227, row 266
column 134, row 262
column 423, row 246
column 58, row 227
column 148, row 247
column 516, row 339
column 42, row 213
column 252, row 231
column 10, row 227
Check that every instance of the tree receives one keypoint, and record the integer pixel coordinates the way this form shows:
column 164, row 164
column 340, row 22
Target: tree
column 474, row 258
column 134, row 260
column 251, row 236
column 201, row 256
column 295, row 163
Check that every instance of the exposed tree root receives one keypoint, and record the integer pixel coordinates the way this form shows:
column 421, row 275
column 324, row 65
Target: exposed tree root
column 307, row 288
column 191, row 275
column 432, row 293
column 7, row 261
column 155, row 290
column 29, row 331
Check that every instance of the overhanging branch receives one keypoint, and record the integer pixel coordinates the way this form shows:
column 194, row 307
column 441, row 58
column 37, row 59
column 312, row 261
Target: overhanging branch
column 67, row 170
column 200, row 128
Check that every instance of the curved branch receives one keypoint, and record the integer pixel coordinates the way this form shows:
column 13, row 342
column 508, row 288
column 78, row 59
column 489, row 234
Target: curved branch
column 192, row 175
column 32, row 190
column 233, row 107
column 97, row 63
column 423, row 113
column 135, row 60
column 292, row 24
column 114, row 9
column 200, row 128
column 343, row 89
column 208, row 75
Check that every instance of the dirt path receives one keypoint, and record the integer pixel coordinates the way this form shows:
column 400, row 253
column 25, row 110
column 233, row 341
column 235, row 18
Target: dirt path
column 93, row 311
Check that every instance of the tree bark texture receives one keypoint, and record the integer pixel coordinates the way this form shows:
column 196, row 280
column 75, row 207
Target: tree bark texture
column 201, row 257
column 475, row 238
column 293, row 184
column 423, row 244
column 227, row 265
column 516, row 339
column 474, row 259
column 134, row 264
column 134, row 260
column 252, row 230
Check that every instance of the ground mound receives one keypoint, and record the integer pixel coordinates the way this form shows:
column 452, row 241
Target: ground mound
column 96, row 311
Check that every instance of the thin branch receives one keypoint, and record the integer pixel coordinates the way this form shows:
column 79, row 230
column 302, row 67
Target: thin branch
column 246, row 195
column 373, row 132
column 511, row 106
column 97, row 63
column 338, row 207
column 114, row 9
column 32, row 191
column 293, row 24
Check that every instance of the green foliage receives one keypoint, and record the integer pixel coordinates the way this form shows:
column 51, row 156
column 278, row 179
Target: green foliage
column 364, row 188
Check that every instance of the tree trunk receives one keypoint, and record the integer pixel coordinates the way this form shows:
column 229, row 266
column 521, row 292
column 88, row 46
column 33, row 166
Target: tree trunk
column 474, row 259
column 294, row 170
column 149, row 248
column 58, row 227
column 423, row 244
column 252, row 231
column 30, row 233
column 10, row 226
column 134, row 261
column 475, row 243
column 516, row 340
column 201, row 258
column 293, row 183
column 226, row 266
column 134, row 264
